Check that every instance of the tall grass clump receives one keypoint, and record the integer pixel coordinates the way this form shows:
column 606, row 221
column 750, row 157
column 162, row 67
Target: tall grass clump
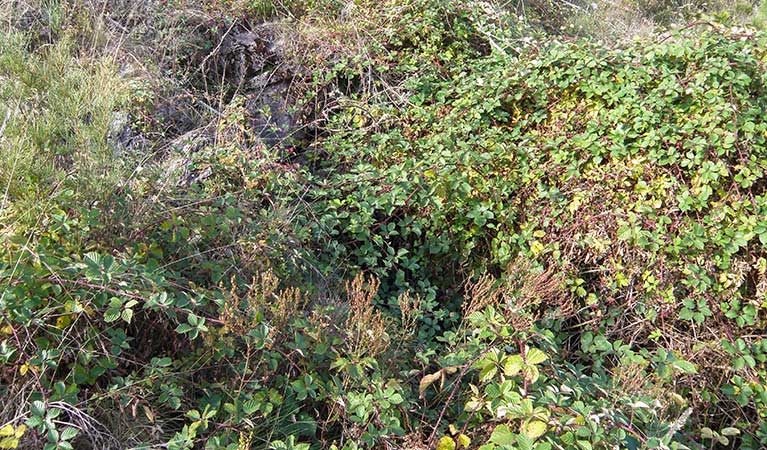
column 57, row 109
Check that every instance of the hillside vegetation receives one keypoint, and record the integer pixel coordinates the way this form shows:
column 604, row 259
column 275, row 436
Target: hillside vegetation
column 397, row 224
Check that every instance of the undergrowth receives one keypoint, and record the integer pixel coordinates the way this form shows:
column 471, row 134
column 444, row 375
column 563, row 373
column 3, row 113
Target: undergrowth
column 479, row 232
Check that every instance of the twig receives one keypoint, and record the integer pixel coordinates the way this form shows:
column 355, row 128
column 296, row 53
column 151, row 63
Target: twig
column 217, row 48
column 687, row 27
column 453, row 392
column 208, row 107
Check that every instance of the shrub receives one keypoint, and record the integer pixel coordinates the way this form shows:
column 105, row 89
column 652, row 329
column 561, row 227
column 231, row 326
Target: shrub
column 635, row 172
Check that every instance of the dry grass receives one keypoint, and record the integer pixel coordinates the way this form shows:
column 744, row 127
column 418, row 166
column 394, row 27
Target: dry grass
column 366, row 327
column 525, row 292
column 611, row 21
column 410, row 310
column 240, row 313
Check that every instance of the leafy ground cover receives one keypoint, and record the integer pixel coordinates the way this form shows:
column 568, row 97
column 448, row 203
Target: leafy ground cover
column 480, row 234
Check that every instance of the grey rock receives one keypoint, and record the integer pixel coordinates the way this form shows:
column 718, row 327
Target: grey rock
column 122, row 138
column 178, row 167
column 272, row 118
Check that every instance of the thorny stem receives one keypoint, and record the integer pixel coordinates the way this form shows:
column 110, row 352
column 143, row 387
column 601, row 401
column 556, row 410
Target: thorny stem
column 465, row 369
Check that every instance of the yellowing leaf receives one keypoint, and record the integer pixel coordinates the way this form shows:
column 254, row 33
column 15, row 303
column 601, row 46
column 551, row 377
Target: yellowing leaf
column 678, row 399
column 535, row 429
column 576, row 203
column 148, row 413
column 488, row 372
column 535, row 356
column 463, row 441
column 23, row 369
column 513, row 365
column 427, row 381
column 446, row 443
column 11, row 436
column 474, row 405
column 63, row 321
column 9, row 442
column 531, row 373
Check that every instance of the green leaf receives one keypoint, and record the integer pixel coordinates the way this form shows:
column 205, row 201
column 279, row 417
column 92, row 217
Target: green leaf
column 396, row 399
column 653, row 442
column 524, row 443
column 34, row 421
column 162, row 362
column 502, row 435
column 251, row 406
column 184, row 328
column 111, row 314
column 685, row 366
column 37, row 408
column 68, row 433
